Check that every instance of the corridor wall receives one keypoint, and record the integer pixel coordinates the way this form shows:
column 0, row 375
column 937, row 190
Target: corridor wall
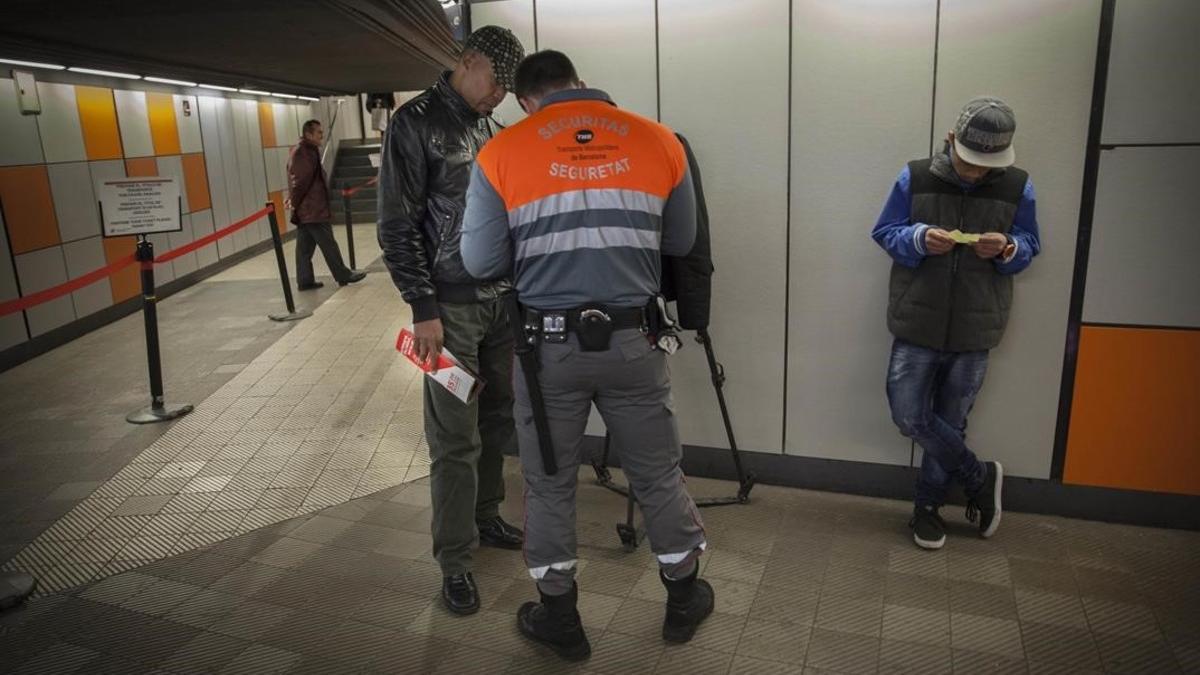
column 229, row 153
column 803, row 112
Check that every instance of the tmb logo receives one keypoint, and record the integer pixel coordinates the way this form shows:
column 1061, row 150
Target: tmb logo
column 584, row 136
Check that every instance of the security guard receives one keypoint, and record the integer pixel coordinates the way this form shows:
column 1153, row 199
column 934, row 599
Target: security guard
column 577, row 202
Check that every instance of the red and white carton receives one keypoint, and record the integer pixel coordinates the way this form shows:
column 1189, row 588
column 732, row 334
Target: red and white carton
column 452, row 375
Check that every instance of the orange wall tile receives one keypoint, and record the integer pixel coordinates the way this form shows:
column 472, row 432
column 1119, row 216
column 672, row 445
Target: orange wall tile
column 266, row 124
column 140, row 167
column 28, row 208
column 98, row 118
column 1134, row 421
column 195, row 177
column 128, row 282
column 281, row 221
column 163, row 130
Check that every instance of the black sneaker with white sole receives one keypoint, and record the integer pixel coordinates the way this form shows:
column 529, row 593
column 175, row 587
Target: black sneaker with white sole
column 929, row 530
column 984, row 505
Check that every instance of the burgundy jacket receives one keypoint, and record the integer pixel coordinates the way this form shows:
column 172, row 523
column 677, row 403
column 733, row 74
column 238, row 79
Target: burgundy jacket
column 307, row 187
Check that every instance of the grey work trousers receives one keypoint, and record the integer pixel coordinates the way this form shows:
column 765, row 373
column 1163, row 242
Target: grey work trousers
column 467, row 441
column 630, row 386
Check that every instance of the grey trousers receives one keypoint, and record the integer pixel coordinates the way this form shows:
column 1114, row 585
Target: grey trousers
column 467, row 442
column 308, row 237
column 630, row 386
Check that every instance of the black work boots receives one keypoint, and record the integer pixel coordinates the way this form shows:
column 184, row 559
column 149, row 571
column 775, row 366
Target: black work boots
column 555, row 623
column 689, row 601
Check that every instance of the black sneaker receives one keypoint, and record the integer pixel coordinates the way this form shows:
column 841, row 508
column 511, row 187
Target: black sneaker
column 984, row 506
column 310, row 287
column 929, row 530
column 555, row 623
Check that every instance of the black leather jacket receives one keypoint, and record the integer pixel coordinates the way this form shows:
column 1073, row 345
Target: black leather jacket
column 429, row 148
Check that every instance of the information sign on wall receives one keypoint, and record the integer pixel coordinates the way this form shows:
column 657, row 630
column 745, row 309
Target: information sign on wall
column 139, row 206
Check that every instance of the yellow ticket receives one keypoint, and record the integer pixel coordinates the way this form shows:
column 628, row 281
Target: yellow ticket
column 963, row 238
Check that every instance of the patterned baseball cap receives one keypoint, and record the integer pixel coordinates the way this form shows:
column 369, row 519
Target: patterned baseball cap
column 502, row 48
column 984, row 132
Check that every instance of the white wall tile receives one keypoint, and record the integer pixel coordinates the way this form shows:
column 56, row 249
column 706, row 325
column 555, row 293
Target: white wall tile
column 134, row 122
column 185, row 263
column 1153, row 93
column 1042, row 64
column 745, row 182
column 611, row 44
column 58, row 125
column 74, row 200
column 163, row 272
column 82, row 257
column 105, row 170
column 517, row 16
column 202, row 224
column 211, row 127
column 862, row 82
column 1142, row 261
column 189, row 125
column 39, row 270
column 284, row 129
column 275, row 179
column 19, row 141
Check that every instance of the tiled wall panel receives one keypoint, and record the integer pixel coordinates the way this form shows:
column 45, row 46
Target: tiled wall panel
column 12, row 326
column 202, row 224
column 164, row 130
column 186, row 263
column 28, row 207
column 134, row 120
column 19, row 142
column 38, row 271
column 83, row 256
column 74, row 200
column 98, row 118
column 58, row 124
column 173, row 166
column 187, row 119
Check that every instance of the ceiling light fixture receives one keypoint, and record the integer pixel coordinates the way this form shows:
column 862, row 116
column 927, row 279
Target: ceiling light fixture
column 255, row 92
column 308, row 98
column 167, row 80
column 284, row 95
column 105, row 73
column 217, row 87
column 33, row 64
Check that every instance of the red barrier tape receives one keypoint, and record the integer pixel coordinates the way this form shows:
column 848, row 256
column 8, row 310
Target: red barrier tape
column 116, row 266
column 210, row 238
column 347, row 192
column 62, row 289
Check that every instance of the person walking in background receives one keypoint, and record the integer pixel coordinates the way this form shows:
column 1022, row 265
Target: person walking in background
column 308, row 193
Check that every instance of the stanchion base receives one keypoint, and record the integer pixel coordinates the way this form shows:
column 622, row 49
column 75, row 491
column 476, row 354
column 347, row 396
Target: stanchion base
column 151, row 415
column 291, row 316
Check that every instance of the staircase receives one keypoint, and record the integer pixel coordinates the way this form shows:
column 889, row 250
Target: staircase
column 351, row 168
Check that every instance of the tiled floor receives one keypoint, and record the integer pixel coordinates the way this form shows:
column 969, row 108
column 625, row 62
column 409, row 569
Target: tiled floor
column 301, row 419
column 284, row 527
column 806, row 583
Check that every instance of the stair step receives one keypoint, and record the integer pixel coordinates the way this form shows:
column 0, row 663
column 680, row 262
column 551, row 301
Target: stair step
column 354, row 172
column 354, row 160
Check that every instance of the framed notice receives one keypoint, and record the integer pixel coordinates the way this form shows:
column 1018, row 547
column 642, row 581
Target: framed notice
column 139, row 206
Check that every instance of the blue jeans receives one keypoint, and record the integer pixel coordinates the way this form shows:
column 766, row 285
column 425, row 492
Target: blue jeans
column 930, row 393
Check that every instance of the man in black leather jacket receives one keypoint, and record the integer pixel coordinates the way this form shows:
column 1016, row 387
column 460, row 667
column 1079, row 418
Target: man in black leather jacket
column 430, row 147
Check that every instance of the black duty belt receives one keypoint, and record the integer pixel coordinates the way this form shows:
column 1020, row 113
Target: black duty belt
column 570, row 320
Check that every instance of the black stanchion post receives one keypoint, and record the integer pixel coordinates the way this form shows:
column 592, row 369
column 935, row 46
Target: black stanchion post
column 346, row 196
column 158, row 411
column 292, row 314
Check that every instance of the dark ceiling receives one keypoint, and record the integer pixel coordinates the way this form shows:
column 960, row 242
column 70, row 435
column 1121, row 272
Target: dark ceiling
column 308, row 47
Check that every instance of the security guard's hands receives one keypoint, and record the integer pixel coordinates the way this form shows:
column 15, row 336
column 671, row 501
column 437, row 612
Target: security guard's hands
column 938, row 241
column 990, row 245
column 429, row 339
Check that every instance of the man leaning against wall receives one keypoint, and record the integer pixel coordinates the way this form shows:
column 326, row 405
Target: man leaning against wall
column 958, row 227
